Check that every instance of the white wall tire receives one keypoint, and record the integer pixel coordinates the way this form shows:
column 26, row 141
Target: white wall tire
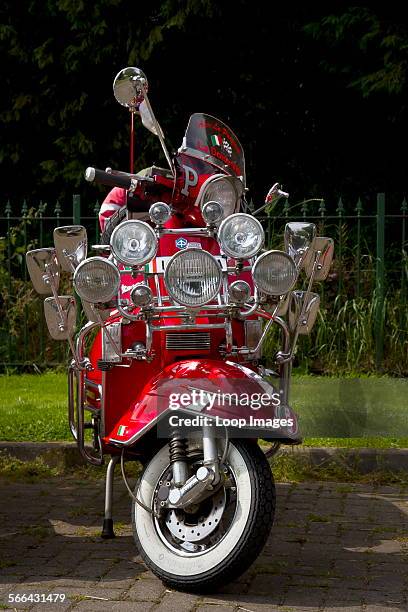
column 239, row 546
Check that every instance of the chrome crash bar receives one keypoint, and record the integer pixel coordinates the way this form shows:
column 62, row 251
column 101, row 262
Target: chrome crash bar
column 76, row 401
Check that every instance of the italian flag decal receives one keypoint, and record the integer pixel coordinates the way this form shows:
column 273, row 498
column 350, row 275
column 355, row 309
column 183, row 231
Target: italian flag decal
column 122, row 430
column 215, row 140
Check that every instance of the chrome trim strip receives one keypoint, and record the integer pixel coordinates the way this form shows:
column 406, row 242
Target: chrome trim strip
column 188, row 326
column 189, row 231
column 102, row 421
column 71, row 401
column 80, row 380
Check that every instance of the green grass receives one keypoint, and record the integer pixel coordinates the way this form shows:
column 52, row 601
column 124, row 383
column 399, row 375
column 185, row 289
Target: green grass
column 374, row 442
column 37, row 470
column 288, row 467
column 349, row 412
column 371, row 409
column 34, row 407
column 28, row 471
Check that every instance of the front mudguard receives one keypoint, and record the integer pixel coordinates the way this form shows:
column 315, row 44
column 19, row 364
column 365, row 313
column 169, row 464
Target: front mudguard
column 157, row 403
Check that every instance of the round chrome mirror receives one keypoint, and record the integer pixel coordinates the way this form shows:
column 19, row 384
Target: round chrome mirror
column 129, row 86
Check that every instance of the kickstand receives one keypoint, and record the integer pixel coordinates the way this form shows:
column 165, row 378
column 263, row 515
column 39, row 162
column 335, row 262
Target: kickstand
column 107, row 527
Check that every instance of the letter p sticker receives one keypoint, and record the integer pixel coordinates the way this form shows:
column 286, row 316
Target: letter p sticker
column 190, row 180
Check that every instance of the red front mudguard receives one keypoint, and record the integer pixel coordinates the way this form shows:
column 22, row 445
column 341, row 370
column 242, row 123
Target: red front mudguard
column 162, row 395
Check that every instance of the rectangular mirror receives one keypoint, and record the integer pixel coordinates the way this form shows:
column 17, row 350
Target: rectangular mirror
column 299, row 237
column 304, row 314
column 42, row 266
column 71, row 245
column 323, row 249
column 60, row 316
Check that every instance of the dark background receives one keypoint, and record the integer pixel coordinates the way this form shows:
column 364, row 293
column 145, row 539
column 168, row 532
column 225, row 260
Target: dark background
column 317, row 95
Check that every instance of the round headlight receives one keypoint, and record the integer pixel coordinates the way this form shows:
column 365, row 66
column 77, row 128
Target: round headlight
column 141, row 295
column 159, row 213
column 212, row 212
column 239, row 291
column 96, row 280
column 274, row 273
column 193, row 277
column 241, row 236
column 134, row 243
column 224, row 190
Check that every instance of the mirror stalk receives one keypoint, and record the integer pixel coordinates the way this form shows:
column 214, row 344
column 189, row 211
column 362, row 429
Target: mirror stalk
column 49, row 279
column 287, row 357
column 158, row 129
column 71, row 258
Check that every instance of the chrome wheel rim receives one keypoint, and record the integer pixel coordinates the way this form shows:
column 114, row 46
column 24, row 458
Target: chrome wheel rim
column 201, row 527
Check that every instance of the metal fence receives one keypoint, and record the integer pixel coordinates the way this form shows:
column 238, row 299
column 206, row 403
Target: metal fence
column 370, row 259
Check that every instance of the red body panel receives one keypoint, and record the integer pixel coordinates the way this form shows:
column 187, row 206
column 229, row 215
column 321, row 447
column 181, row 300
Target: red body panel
column 131, row 395
column 125, row 386
column 152, row 400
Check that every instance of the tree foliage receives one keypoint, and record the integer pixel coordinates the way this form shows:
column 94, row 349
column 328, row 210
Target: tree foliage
column 306, row 91
column 379, row 48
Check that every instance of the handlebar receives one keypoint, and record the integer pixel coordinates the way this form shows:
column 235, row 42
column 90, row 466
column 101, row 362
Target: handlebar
column 94, row 175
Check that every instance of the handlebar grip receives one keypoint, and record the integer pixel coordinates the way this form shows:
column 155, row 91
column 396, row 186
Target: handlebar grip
column 94, row 175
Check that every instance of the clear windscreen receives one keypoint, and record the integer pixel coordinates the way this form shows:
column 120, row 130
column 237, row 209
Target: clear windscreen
column 210, row 139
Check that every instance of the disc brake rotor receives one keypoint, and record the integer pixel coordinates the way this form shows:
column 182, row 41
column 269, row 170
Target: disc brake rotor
column 180, row 525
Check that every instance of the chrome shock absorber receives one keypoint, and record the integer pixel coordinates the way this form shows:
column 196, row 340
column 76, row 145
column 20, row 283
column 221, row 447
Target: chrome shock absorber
column 178, row 448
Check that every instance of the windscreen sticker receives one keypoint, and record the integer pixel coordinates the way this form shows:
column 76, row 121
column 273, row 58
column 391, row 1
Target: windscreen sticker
column 190, row 179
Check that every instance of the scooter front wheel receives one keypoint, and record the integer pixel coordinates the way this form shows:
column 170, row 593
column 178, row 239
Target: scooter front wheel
column 216, row 540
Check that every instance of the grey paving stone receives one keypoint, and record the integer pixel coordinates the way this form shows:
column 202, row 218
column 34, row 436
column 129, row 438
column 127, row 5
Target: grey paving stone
column 215, row 608
column 54, row 607
column 106, row 606
column 269, row 584
column 253, row 603
column 301, row 596
column 182, row 602
column 92, row 590
column 92, row 569
column 381, row 608
column 356, row 556
column 346, row 608
column 146, row 590
column 387, row 597
column 340, row 596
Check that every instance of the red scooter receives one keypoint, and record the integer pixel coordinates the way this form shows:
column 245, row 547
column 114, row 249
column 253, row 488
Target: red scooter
column 180, row 296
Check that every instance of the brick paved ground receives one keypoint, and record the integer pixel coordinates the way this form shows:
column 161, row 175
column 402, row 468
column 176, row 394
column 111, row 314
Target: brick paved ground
column 333, row 547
